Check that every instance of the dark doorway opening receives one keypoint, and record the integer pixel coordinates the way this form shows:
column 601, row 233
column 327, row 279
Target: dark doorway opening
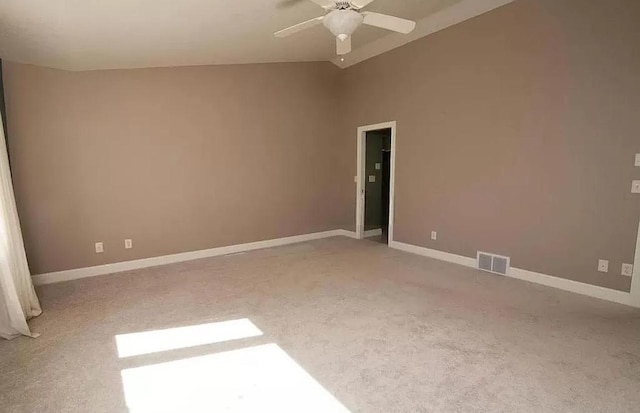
column 377, row 184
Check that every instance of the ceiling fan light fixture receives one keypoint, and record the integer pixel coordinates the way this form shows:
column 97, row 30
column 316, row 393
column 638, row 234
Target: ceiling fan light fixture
column 342, row 23
column 343, row 17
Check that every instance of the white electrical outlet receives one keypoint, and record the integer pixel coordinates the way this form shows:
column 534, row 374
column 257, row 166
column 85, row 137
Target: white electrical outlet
column 128, row 244
column 99, row 247
column 377, row 166
column 434, row 235
column 635, row 187
column 637, row 162
column 603, row 265
column 627, row 269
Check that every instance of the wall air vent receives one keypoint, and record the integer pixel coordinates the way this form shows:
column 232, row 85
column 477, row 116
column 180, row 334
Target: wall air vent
column 496, row 264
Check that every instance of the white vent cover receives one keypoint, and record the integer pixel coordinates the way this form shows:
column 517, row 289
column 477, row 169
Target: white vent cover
column 496, row 264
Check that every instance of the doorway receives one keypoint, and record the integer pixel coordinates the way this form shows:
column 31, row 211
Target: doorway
column 376, row 161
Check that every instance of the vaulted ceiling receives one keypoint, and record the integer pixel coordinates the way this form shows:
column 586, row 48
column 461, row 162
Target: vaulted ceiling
column 105, row 34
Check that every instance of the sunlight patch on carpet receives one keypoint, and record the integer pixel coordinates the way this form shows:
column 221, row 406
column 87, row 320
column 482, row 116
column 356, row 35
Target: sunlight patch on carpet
column 148, row 342
column 254, row 379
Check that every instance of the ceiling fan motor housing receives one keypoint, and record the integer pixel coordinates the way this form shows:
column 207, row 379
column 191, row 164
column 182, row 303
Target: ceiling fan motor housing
column 342, row 22
column 343, row 5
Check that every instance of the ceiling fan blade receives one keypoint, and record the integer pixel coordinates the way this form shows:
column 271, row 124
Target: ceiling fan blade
column 283, row 4
column 343, row 46
column 392, row 23
column 299, row 27
column 360, row 3
column 324, row 3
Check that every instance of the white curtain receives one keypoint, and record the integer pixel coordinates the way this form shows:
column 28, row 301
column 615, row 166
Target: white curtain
column 18, row 300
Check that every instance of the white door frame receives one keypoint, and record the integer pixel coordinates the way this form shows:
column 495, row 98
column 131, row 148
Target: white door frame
column 361, row 175
column 635, row 280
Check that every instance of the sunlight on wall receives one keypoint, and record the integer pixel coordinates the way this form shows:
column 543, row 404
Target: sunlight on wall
column 174, row 338
column 254, row 379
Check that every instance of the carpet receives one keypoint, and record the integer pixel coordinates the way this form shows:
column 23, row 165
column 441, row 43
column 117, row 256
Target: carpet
column 329, row 325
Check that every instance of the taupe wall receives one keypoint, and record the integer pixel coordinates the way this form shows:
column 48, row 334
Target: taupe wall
column 516, row 135
column 178, row 159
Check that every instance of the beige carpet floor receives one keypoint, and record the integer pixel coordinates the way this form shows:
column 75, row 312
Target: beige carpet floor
column 346, row 325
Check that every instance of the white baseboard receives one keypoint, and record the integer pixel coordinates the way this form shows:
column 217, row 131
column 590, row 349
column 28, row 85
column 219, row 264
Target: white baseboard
column 67, row 275
column 602, row 293
column 347, row 233
column 373, row 232
column 439, row 255
column 548, row 280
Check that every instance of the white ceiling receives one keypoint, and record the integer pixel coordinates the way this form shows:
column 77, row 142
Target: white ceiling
column 105, row 34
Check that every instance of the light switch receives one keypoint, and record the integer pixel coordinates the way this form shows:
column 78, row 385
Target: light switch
column 377, row 166
column 434, row 235
column 635, row 187
column 372, row 178
column 637, row 163
column 128, row 243
column 99, row 248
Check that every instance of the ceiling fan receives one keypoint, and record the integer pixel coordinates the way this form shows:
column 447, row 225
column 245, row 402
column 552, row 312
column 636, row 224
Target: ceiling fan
column 344, row 17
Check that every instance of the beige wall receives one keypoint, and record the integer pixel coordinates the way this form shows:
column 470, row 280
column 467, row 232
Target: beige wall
column 516, row 135
column 178, row 159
